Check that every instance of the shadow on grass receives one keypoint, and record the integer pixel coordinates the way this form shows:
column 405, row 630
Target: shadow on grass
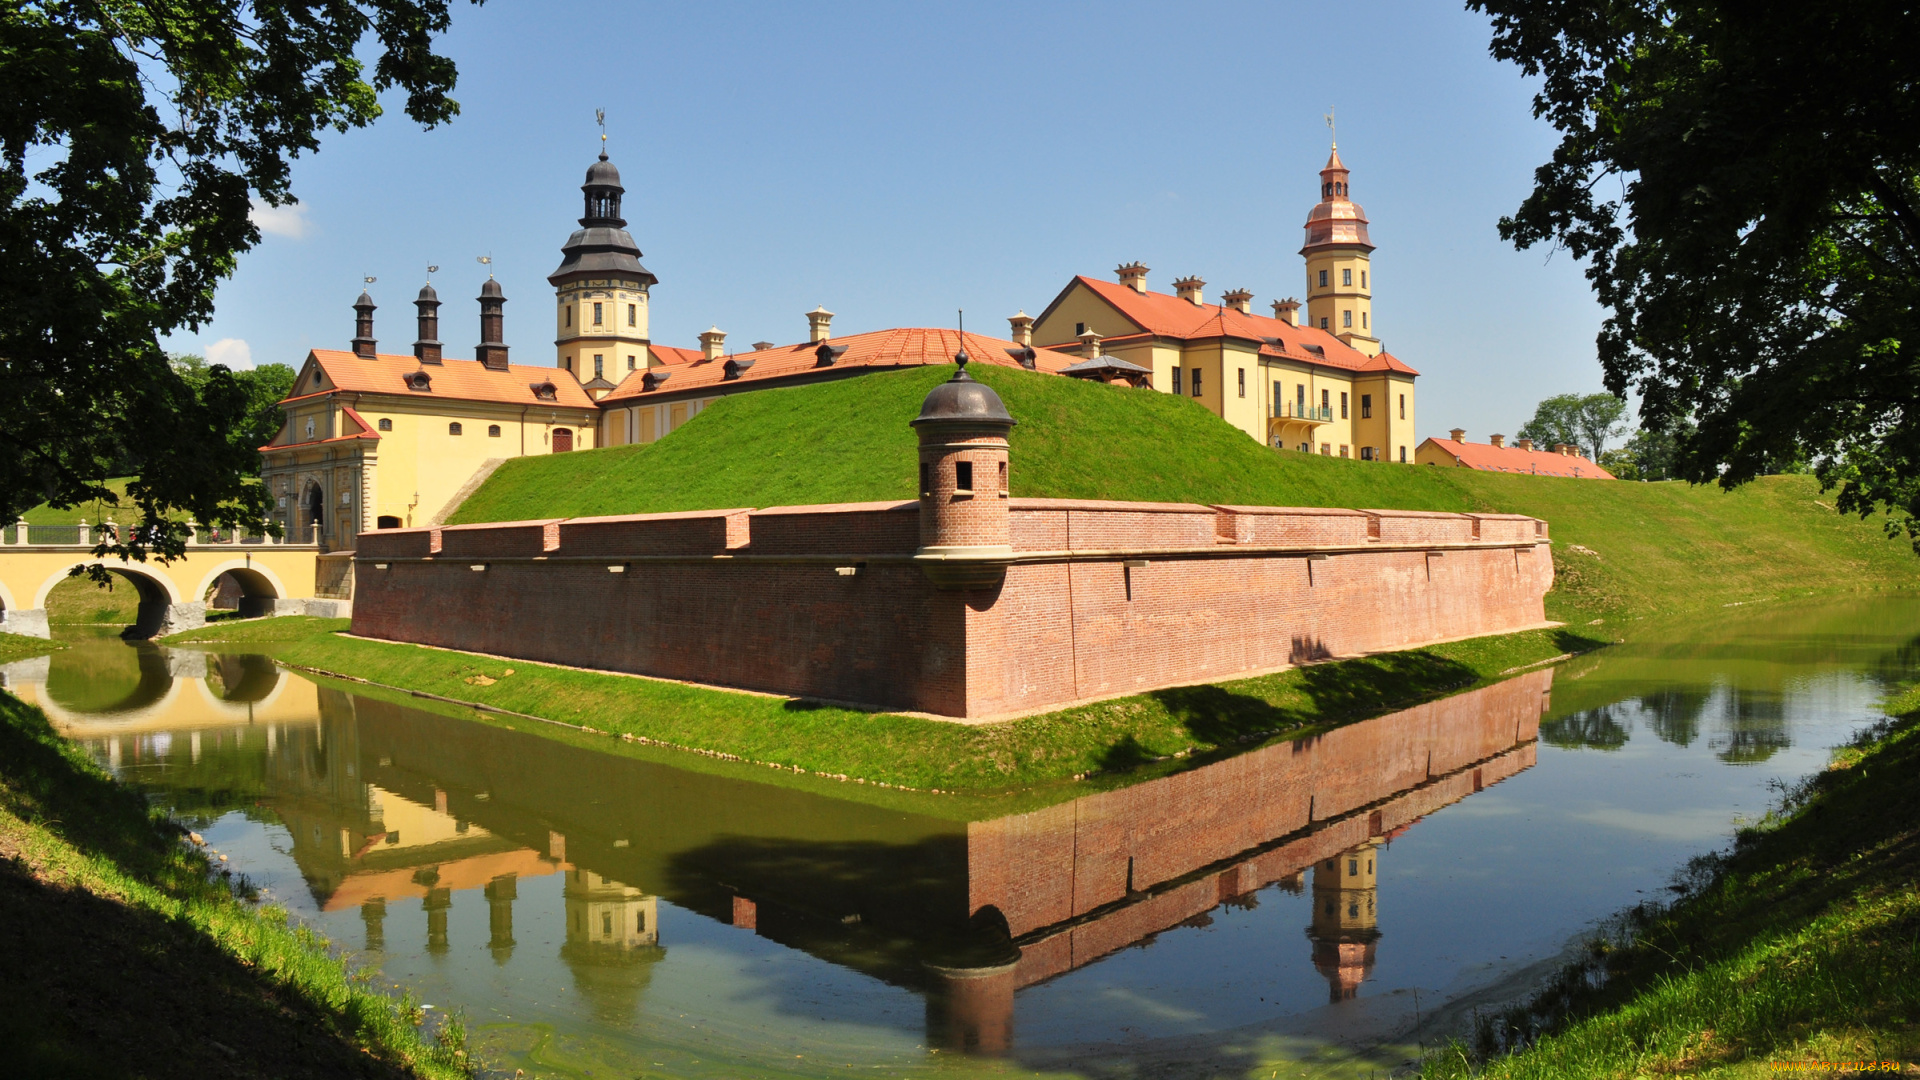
column 1335, row 692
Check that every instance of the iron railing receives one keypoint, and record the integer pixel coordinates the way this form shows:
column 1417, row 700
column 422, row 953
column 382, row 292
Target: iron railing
column 1288, row 410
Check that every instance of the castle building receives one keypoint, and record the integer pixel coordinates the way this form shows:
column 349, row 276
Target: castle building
column 1326, row 385
column 1496, row 456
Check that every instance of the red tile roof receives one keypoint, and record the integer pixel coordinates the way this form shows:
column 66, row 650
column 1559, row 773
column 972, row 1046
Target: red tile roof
column 457, row 380
column 1512, row 459
column 668, row 354
column 1167, row 316
column 905, row 347
column 366, row 432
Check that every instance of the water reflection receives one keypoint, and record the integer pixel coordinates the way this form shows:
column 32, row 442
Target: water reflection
column 452, row 850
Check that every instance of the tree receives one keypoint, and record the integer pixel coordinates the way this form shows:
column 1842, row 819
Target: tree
column 1761, row 258
column 135, row 140
column 264, row 386
column 1582, row 421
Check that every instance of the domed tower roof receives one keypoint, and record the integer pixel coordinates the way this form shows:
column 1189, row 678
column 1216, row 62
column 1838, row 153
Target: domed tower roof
column 963, row 400
column 601, row 247
column 491, row 291
column 1336, row 220
column 427, row 295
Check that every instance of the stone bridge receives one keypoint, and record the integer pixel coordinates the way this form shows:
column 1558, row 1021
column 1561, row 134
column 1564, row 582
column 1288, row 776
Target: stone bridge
column 271, row 578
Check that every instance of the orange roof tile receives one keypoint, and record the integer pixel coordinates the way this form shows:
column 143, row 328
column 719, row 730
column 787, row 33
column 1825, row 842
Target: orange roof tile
column 457, row 380
column 1168, row 316
column 904, row 347
column 1512, row 459
column 668, row 354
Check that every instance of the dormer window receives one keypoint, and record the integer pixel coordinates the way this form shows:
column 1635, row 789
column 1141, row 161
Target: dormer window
column 652, row 379
column 419, row 381
column 826, row 354
column 545, row 391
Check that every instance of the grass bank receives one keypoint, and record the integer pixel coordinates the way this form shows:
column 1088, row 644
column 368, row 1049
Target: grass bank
column 1623, row 550
column 1181, row 725
column 1801, row 944
column 19, row 647
column 121, row 955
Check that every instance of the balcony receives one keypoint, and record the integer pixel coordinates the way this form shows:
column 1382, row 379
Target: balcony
column 1292, row 412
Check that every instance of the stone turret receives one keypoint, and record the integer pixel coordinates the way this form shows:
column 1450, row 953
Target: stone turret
column 363, row 343
column 964, row 538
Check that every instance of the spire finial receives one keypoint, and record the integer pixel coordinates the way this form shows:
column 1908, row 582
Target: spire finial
column 1333, row 136
column 600, row 117
column 960, row 358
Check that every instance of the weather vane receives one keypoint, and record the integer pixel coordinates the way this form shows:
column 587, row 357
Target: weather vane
column 431, row 270
column 600, row 117
column 1334, row 135
column 369, row 279
column 486, row 261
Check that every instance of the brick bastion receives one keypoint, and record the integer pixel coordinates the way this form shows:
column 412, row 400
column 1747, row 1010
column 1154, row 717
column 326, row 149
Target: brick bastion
column 963, row 603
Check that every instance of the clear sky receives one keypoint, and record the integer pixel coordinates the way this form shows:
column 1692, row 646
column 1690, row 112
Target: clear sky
column 897, row 162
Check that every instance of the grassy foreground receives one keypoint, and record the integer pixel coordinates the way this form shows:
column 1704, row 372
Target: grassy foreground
column 19, row 647
column 1802, row 944
column 1623, row 550
column 1184, row 724
column 105, row 914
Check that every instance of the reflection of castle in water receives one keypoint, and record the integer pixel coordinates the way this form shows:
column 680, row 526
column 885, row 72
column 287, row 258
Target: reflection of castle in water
column 387, row 804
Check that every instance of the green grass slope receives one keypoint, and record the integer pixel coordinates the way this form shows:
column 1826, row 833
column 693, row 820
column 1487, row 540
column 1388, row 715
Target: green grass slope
column 1623, row 550
column 95, row 512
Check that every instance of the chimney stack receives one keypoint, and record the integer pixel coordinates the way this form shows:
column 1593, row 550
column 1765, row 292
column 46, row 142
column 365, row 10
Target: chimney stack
column 1190, row 289
column 363, row 344
column 1239, row 300
column 713, row 343
column 1287, row 311
column 1498, row 441
column 1458, row 435
column 762, row 346
column 1524, row 444
column 427, row 349
column 1090, row 343
column 1134, row 276
column 819, row 324
column 1022, row 325
column 492, row 352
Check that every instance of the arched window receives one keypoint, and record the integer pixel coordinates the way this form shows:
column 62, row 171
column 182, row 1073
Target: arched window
column 562, row 440
column 493, row 431
column 453, row 428
column 386, row 424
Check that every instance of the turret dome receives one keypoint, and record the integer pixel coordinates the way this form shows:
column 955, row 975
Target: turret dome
column 962, row 399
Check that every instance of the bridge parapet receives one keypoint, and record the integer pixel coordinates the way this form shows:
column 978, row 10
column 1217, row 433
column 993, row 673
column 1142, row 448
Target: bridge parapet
column 271, row 579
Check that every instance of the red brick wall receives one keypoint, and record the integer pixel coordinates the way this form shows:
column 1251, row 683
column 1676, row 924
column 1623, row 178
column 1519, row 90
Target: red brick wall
column 743, row 598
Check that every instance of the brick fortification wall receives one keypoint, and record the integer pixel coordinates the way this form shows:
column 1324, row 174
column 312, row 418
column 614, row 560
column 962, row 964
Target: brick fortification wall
column 1097, row 599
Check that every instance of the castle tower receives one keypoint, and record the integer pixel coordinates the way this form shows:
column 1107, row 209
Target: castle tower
column 363, row 344
column 1338, row 254
column 965, row 541
column 492, row 350
column 1345, row 925
column 600, row 289
column 426, row 348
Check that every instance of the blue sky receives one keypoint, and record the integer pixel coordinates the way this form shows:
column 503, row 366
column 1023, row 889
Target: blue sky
column 898, row 162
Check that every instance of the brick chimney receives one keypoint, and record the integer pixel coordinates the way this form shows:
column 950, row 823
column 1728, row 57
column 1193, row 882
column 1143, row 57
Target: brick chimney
column 363, row 343
column 713, row 343
column 1498, row 441
column 1239, row 300
column 1524, row 444
column 1022, row 328
column 1287, row 311
column 1190, row 290
column 492, row 351
column 819, row 325
column 1458, row 434
column 427, row 349
column 1563, row 449
column 1134, row 276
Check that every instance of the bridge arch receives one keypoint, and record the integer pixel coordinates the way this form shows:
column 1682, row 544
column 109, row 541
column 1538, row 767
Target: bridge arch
column 6, row 599
column 160, row 598
column 258, row 585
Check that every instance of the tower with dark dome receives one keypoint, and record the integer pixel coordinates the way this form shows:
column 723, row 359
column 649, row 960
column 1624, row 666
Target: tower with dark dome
column 600, row 289
column 965, row 535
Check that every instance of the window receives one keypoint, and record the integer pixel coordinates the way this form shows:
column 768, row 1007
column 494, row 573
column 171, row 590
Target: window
column 453, row 428
column 1196, row 382
column 629, row 361
column 1243, row 382
column 1366, row 406
column 567, row 362
column 386, row 521
column 1323, row 322
column 1176, row 380
column 1343, row 450
column 596, row 313
column 1366, row 453
column 569, row 321
column 1323, row 279
column 633, row 314
column 1079, row 328
column 963, row 478
column 1326, row 449
column 1277, row 395
column 493, row 431
column 1326, row 406
column 1343, row 404
column 562, row 440
column 599, row 366
column 1300, row 400
column 1403, row 412
column 1363, row 279
column 1003, row 479
column 386, row 424
column 1346, row 319
column 926, row 479
column 1346, row 276
column 1403, row 455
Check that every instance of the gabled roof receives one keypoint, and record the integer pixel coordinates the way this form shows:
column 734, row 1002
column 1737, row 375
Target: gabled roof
column 1104, row 362
column 1489, row 458
column 352, row 419
column 451, row 380
column 667, row 354
column 1165, row 316
column 881, row 349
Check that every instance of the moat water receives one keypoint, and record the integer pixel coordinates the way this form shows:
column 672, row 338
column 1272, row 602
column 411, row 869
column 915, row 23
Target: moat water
column 612, row 911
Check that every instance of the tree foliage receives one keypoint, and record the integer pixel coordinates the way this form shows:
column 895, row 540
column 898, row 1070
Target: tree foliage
column 1742, row 179
column 135, row 139
column 1587, row 421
